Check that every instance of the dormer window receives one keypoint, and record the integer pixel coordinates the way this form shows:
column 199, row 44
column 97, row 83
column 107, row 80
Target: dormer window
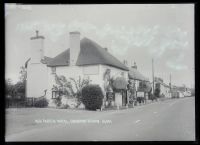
column 53, row 70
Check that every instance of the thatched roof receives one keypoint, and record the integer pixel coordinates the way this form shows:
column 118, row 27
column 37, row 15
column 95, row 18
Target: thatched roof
column 136, row 75
column 120, row 83
column 61, row 59
column 90, row 53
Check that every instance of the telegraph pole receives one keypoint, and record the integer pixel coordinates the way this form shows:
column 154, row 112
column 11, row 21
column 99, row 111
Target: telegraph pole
column 153, row 76
column 170, row 79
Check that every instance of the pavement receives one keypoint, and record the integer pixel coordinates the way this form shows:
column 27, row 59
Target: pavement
column 169, row 120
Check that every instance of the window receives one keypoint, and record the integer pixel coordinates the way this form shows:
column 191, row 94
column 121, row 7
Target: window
column 55, row 94
column 53, row 70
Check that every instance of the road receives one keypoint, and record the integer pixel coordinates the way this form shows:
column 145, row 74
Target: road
column 169, row 120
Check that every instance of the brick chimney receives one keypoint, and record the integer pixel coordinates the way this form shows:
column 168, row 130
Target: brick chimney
column 37, row 48
column 125, row 62
column 134, row 66
column 74, row 43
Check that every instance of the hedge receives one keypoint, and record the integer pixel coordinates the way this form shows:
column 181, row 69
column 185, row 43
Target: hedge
column 41, row 102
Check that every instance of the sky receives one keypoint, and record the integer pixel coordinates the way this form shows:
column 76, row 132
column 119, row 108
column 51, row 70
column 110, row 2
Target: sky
column 132, row 32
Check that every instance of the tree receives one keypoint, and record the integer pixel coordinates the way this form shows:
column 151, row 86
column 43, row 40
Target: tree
column 79, row 84
column 20, row 89
column 23, row 74
column 9, row 87
column 21, row 84
column 17, row 89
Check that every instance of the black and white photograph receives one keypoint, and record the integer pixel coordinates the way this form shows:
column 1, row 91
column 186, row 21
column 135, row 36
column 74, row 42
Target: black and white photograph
column 99, row 72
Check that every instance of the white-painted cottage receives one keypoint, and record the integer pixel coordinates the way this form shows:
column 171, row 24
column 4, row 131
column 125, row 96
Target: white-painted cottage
column 164, row 88
column 181, row 91
column 83, row 58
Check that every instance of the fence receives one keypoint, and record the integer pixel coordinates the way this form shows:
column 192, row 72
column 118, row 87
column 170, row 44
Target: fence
column 19, row 103
column 15, row 103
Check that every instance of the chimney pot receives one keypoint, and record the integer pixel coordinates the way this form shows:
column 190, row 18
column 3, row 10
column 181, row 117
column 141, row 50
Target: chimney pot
column 37, row 36
column 134, row 66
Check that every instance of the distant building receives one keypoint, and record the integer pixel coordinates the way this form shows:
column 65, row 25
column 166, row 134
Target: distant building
column 185, row 91
column 181, row 91
column 164, row 88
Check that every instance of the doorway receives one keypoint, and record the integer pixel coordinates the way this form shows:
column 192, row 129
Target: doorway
column 124, row 97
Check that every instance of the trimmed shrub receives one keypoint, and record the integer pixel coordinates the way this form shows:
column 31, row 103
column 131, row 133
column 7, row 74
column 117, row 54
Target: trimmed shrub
column 41, row 102
column 92, row 97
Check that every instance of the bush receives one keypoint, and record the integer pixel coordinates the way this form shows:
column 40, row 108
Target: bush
column 41, row 102
column 92, row 97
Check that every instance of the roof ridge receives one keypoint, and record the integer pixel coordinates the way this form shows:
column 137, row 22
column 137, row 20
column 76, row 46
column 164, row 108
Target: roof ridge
column 95, row 43
column 104, row 51
column 90, row 53
column 51, row 63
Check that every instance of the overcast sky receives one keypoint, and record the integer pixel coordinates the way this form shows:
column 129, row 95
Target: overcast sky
column 136, row 32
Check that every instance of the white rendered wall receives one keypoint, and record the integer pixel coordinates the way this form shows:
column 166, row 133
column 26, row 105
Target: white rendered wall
column 76, row 71
column 37, row 79
column 165, row 91
column 137, row 84
column 37, row 50
column 118, row 99
column 181, row 95
column 94, row 72
column 187, row 93
column 72, row 72
column 96, row 75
